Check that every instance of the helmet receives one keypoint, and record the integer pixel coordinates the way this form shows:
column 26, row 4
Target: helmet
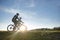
column 17, row 13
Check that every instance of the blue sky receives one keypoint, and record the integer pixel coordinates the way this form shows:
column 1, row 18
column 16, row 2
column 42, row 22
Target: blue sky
column 35, row 13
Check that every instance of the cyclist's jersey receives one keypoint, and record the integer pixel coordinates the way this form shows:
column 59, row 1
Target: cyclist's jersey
column 14, row 18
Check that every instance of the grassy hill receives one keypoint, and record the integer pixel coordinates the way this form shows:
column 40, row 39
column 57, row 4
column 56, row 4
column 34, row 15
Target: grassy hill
column 30, row 35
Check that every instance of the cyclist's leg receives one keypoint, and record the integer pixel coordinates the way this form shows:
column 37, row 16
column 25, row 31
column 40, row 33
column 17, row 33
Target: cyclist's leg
column 17, row 25
column 14, row 26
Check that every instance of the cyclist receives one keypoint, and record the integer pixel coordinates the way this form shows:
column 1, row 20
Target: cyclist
column 15, row 20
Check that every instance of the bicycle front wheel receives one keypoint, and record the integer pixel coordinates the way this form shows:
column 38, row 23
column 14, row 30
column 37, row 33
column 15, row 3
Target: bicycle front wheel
column 23, row 28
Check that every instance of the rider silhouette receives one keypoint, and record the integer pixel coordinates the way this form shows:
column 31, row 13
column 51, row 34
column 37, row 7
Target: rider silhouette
column 15, row 19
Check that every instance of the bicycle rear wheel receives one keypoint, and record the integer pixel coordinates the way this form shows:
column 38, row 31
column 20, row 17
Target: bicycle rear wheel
column 10, row 27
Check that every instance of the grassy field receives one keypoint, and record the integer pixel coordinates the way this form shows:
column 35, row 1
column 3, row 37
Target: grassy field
column 30, row 35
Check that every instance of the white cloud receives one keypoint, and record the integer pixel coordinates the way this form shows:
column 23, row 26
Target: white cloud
column 31, row 3
column 22, row 13
column 11, row 10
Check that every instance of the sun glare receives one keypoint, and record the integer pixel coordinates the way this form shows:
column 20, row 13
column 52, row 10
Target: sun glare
column 22, row 28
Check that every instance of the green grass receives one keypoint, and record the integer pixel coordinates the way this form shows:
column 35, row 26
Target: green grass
column 30, row 35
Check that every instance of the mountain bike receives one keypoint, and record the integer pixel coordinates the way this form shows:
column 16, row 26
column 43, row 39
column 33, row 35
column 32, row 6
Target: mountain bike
column 12, row 27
